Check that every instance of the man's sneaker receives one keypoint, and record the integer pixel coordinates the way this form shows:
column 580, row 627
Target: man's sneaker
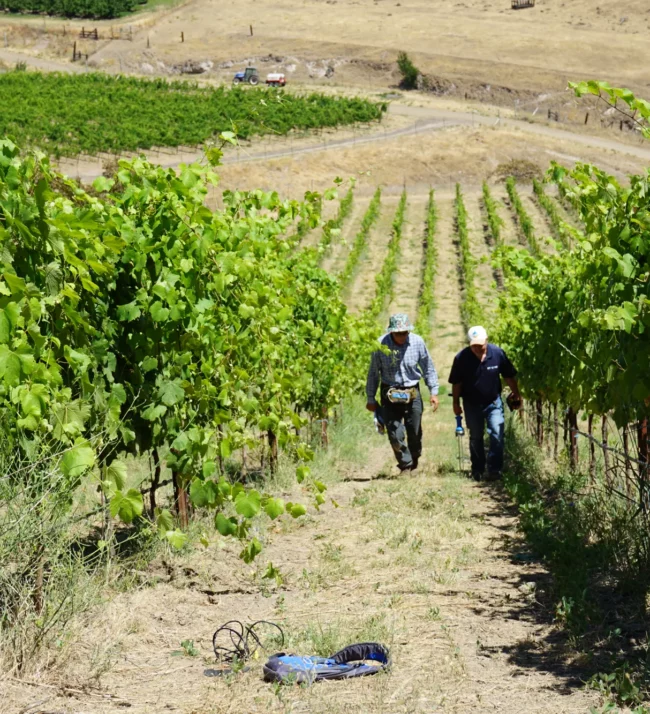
column 494, row 476
column 410, row 467
column 415, row 464
column 477, row 475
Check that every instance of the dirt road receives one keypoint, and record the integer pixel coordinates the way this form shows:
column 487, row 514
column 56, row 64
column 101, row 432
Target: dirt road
column 422, row 121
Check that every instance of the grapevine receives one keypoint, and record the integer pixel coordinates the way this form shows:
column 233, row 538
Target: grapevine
column 96, row 9
column 495, row 222
column 524, row 221
column 333, row 226
column 589, row 302
column 88, row 113
column 385, row 279
column 361, row 239
column 134, row 318
column 471, row 310
column 548, row 205
column 426, row 303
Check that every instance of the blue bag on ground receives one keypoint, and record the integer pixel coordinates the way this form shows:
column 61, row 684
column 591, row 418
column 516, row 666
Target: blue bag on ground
column 349, row 662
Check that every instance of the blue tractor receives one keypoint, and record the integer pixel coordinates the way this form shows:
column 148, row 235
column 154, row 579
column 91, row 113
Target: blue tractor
column 250, row 76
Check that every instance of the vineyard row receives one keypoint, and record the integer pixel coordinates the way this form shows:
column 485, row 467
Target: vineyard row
column 68, row 115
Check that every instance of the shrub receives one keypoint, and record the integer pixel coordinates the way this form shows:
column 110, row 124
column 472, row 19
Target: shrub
column 409, row 71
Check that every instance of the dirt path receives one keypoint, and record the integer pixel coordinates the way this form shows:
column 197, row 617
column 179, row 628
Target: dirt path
column 480, row 251
column 447, row 334
column 430, row 564
column 335, row 260
column 538, row 217
column 363, row 287
column 423, row 120
column 45, row 65
column 411, row 262
column 509, row 230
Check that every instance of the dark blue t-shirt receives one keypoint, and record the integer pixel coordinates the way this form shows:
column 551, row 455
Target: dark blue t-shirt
column 481, row 380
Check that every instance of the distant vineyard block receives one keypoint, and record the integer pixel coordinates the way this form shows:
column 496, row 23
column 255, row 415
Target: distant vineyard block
column 521, row 4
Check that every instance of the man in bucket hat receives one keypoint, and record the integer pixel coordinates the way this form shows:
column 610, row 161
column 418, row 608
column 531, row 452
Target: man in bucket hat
column 397, row 369
column 476, row 377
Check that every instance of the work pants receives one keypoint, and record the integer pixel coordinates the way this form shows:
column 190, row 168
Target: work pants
column 476, row 418
column 404, row 426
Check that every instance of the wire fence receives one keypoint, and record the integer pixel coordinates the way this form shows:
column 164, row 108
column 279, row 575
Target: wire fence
column 615, row 458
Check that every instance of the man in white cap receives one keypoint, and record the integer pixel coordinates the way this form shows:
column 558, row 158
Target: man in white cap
column 397, row 368
column 476, row 377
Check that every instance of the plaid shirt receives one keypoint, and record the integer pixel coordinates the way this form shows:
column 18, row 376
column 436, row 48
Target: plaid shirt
column 399, row 368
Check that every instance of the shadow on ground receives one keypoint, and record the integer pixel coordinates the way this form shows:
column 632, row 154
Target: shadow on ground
column 573, row 646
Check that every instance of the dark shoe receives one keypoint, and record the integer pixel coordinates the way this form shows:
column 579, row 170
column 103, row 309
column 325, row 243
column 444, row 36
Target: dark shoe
column 410, row 467
column 494, row 476
column 415, row 464
column 477, row 476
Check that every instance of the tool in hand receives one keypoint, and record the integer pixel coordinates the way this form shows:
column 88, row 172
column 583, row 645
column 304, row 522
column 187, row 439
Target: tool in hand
column 460, row 433
column 380, row 426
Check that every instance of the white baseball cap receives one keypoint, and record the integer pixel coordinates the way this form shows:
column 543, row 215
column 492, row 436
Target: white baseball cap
column 477, row 335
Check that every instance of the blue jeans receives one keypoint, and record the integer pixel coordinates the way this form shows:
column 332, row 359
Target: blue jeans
column 476, row 417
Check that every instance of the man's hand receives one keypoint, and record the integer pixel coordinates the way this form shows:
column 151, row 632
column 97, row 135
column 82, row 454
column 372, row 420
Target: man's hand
column 458, row 410
column 371, row 407
column 433, row 400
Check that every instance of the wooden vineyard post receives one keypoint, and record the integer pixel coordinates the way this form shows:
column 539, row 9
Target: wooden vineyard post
column 180, row 497
column 556, row 431
column 182, row 37
column 155, row 481
column 38, row 584
column 592, row 449
column 219, row 454
column 323, row 429
column 642, row 436
column 605, row 449
column 539, row 405
column 628, row 464
column 573, row 438
column 273, row 451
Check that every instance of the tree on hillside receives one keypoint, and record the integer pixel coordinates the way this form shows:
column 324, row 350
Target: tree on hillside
column 410, row 73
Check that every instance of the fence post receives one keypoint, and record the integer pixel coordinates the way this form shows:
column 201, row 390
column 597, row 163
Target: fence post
column 540, row 423
column 605, row 449
column 182, row 37
column 155, row 481
column 323, row 429
column 556, row 431
column 180, row 498
column 642, row 436
column 573, row 438
column 273, row 451
column 628, row 464
column 592, row 449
